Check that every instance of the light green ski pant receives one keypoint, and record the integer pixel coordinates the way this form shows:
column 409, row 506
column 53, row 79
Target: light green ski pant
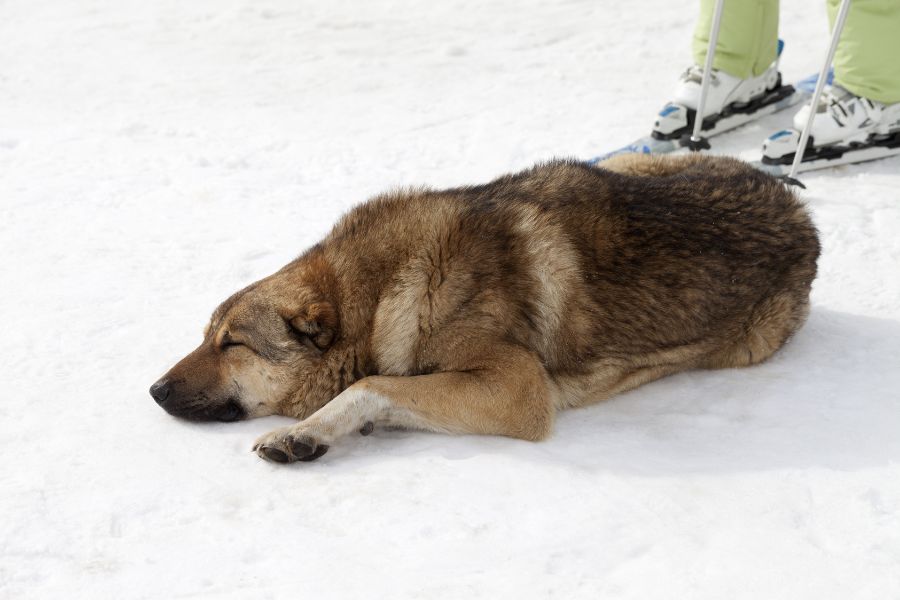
column 867, row 60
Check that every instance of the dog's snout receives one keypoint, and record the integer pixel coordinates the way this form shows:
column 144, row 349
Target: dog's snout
column 160, row 390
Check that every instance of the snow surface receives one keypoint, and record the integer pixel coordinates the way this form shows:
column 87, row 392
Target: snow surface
column 156, row 156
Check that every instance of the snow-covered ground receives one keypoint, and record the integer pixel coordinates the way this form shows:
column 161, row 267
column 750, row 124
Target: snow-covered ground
column 156, row 156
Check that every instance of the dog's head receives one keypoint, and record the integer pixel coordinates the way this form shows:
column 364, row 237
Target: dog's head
column 263, row 353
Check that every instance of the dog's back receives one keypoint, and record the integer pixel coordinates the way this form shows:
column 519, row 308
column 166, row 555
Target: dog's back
column 582, row 264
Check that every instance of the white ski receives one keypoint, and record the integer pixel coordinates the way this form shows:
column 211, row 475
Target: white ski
column 676, row 121
column 824, row 157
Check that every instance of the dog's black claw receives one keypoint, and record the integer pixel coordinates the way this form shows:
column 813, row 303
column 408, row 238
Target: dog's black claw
column 275, row 455
column 320, row 450
column 302, row 447
column 367, row 428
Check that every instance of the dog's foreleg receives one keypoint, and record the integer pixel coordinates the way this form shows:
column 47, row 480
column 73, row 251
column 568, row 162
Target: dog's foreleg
column 508, row 394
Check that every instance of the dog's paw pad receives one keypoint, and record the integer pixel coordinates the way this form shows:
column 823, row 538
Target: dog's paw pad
column 274, row 454
column 319, row 451
column 302, row 446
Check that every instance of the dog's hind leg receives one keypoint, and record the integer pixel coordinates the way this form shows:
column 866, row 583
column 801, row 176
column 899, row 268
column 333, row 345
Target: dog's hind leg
column 507, row 394
column 770, row 325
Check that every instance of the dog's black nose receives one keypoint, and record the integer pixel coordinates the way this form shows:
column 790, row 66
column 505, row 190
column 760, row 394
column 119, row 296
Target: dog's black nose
column 160, row 390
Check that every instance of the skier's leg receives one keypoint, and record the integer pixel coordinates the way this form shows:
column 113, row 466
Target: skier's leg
column 745, row 66
column 748, row 36
column 867, row 60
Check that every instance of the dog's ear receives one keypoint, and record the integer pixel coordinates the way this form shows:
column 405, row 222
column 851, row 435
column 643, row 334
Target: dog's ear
column 318, row 322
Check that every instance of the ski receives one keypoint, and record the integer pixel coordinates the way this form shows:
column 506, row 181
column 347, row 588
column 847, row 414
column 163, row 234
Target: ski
column 823, row 157
column 674, row 121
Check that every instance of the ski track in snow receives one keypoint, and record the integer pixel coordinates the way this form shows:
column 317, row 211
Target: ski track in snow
column 157, row 156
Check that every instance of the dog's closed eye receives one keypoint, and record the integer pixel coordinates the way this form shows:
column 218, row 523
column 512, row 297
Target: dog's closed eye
column 230, row 342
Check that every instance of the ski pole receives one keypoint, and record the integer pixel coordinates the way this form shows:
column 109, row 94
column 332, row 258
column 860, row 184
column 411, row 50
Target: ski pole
column 696, row 142
column 820, row 84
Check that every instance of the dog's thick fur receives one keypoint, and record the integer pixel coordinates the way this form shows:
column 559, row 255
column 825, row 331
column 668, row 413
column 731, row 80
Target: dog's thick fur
column 486, row 309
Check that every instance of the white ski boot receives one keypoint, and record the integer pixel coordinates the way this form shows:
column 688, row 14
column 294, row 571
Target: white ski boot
column 724, row 89
column 845, row 129
column 730, row 101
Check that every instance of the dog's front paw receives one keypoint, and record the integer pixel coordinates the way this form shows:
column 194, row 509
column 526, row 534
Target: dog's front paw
column 288, row 445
